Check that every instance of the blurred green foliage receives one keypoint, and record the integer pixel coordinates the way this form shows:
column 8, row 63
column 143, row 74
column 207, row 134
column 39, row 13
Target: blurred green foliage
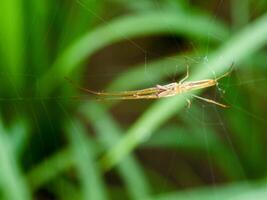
column 53, row 146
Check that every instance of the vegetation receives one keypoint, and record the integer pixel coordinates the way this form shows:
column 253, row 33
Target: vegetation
column 54, row 145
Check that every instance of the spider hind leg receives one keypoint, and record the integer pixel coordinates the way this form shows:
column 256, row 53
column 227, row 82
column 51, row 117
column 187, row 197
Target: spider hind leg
column 210, row 101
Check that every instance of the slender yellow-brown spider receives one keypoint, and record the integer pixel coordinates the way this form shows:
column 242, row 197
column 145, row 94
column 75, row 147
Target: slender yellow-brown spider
column 162, row 91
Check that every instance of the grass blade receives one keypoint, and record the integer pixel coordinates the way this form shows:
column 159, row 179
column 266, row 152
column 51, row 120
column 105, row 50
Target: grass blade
column 11, row 39
column 108, row 134
column 240, row 191
column 91, row 183
column 12, row 182
column 51, row 167
column 19, row 137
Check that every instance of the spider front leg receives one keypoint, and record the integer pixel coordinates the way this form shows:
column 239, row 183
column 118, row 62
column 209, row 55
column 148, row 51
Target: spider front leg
column 186, row 76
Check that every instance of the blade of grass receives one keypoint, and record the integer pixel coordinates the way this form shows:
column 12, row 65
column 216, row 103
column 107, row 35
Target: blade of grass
column 243, row 44
column 91, row 183
column 64, row 159
column 193, row 26
column 37, row 29
column 86, row 11
column 11, row 40
column 240, row 191
column 65, row 189
column 108, row 134
column 12, row 182
column 50, row 168
column 19, row 134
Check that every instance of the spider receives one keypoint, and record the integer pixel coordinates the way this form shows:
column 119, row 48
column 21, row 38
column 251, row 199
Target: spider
column 162, row 91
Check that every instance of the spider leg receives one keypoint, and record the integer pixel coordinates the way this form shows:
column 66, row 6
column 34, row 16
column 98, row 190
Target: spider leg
column 188, row 103
column 132, row 97
column 210, row 101
column 145, row 91
column 153, row 96
column 186, row 76
column 225, row 74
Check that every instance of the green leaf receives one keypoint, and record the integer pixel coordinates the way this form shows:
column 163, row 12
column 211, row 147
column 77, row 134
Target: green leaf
column 239, row 191
column 12, row 41
column 54, row 165
column 91, row 183
column 12, row 182
column 19, row 136
column 50, row 168
column 108, row 134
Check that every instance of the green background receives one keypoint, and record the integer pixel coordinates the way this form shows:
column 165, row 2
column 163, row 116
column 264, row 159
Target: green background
column 57, row 142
